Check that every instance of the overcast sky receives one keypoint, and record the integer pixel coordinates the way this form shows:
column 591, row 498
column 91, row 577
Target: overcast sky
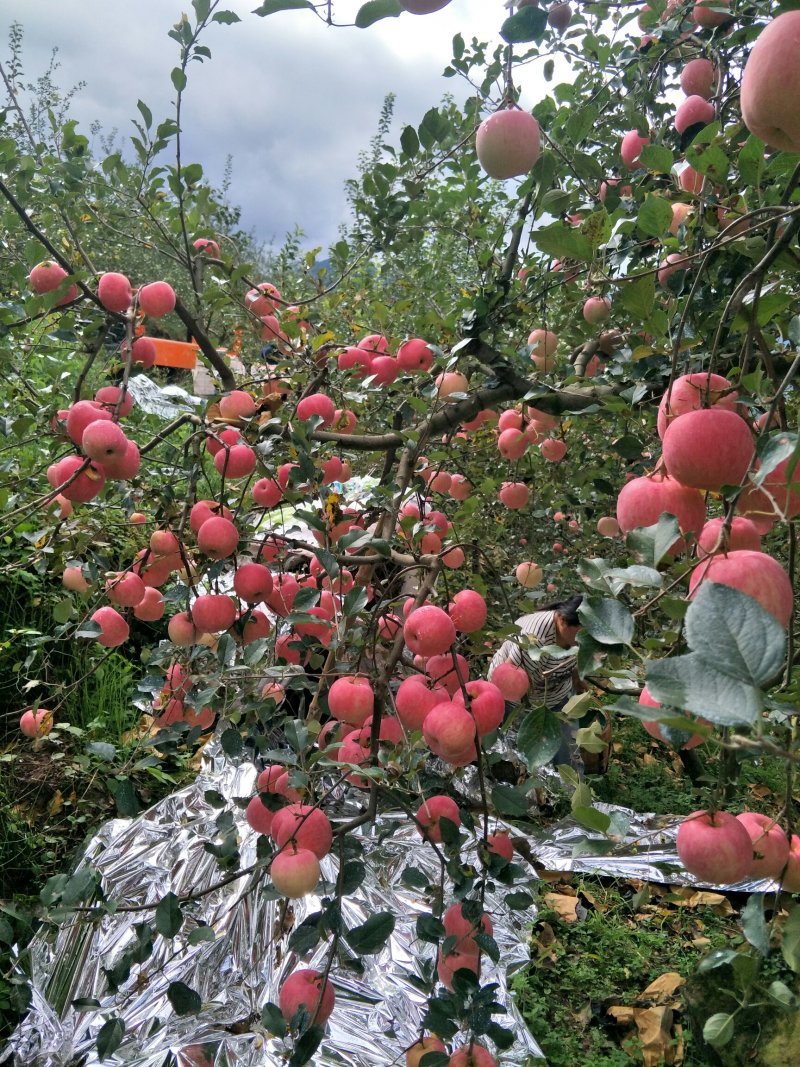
column 291, row 100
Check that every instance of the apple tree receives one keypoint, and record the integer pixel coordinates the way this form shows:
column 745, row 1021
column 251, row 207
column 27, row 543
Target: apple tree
column 556, row 343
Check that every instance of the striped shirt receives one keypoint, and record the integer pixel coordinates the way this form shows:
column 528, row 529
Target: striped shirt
column 550, row 676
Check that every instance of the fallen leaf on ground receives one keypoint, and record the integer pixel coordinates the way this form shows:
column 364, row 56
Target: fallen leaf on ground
column 564, row 906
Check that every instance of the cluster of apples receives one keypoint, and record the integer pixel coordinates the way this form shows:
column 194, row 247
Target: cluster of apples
column 707, row 444
column 718, row 847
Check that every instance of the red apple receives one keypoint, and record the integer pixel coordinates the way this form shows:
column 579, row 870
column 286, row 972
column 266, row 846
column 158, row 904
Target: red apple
column 771, row 84
column 715, row 847
column 507, row 143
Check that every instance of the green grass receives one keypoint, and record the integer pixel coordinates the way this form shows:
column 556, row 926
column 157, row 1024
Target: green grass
column 580, row 970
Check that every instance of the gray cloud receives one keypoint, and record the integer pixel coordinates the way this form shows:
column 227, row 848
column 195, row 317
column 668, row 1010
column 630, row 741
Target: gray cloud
column 291, row 100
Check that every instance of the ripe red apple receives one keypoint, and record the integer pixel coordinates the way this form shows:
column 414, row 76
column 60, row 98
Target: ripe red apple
column 513, row 682
column 512, row 444
column 37, row 723
column 771, row 84
column 294, row 871
column 473, row 1055
column 212, row 613
column 642, row 501
column 707, row 17
column 631, row 147
column 501, row 844
column 415, row 355
column 742, row 534
column 125, row 589
column 791, row 876
column 449, row 732
column 486, row 705
column 73, row 579
column 529, row 574
column 431, row 811
column 559, row 16
column 553, row 449
column 754, row 573
column 507, row 143
column 217, row 537
column 114, row 292
column 514, row 495
column 543, row 348
column 317, row 404
column 238, row 461
column 83, row 414
column 157, row 299
column 414, row 699
column 109, row 396
column 206, row 247
column 253, row 582
column 715, row 847
column 151, row 607
column 306, row 826
column 351, row 699
column 709, row 448
column 690, row 392
column 693, row 111
column 607, row 526
column 262, row 300
column 429, row 631
column 309, row 990
column 114, row 631
column 181, row 630
column 451, row 382
column 237, row 404
column 596, row 309
column 468, row 611
column 698, row 78
column 770, row 844
column 442, row 671
column 421, row 1048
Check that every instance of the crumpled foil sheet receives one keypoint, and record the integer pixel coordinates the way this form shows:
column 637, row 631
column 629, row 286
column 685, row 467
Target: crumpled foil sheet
column 377, row 1013
column 166, row 401
column 645, row 851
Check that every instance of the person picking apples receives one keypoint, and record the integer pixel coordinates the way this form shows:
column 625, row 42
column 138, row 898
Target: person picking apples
column 551, row 679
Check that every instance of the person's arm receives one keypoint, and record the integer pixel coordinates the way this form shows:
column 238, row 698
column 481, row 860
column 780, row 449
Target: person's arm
column 578, row 684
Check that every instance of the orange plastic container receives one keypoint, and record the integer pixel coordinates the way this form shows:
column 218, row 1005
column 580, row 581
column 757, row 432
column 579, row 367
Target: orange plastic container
column 175, row 353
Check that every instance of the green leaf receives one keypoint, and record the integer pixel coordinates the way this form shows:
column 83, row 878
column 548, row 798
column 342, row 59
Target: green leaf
column 638, row 296
column 507, row 800
column 62, row 610
column 718, row 1029
column 372, row 935
column 735, row 634
column 201, row 934
column 231, row 741
column 429, row 928
column 519, row 900
column 529, row 24
column 608, row 621
column 653, row 543
column 127, row 801
column 772, row 451
column 269, row 7
column 434, row 1059
column 790, row 944
column 184, row 1000
column 409, row 141
column 169, row 917
column 655, row 216
column 307, row 935
column 306, row 1045
column 272, row 1019
column 691, row 683
column 110, row 1037
column 719, row 958
column 754, row 926
column 539, row 737
column 375, row 10
column 657, row 158
column 225, row 18
column 591, row 818
column 146, row 113
column 178, row 79
column 564, row 242
column 782, row 995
